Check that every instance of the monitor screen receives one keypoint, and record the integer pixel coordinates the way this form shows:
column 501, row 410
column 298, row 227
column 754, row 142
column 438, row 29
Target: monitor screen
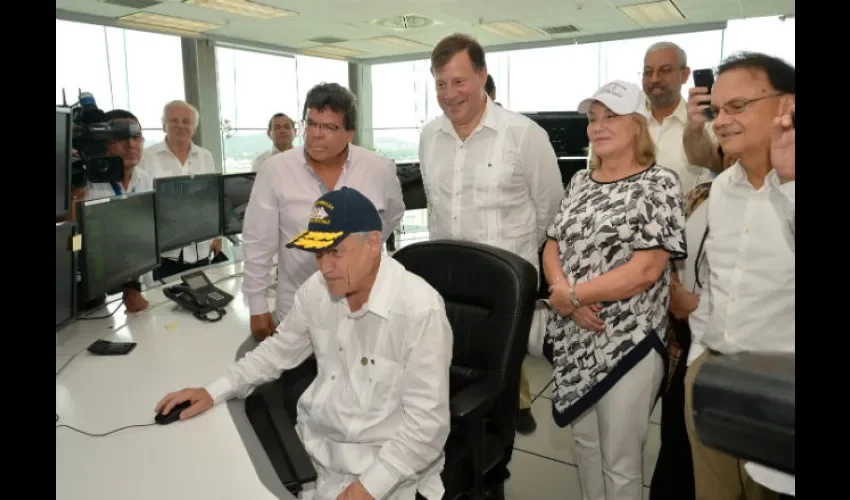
column 567, row 132
column 188, row 210
column 236, row 190
column 66, row 275
column 63, row 161
column 119, row 241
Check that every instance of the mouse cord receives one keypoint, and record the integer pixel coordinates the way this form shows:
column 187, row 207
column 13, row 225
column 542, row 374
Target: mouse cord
column 90, row 434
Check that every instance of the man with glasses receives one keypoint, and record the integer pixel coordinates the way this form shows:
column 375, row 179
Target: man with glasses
column 282, row 132
column 665, row 70
column 748, row 303
column 287, row 186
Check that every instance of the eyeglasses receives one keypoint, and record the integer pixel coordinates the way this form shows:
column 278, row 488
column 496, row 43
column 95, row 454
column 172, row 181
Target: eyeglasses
column 735, row 106
column 663, row 71
column 326, row 127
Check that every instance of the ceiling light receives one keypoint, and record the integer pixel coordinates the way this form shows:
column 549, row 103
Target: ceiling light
column 246, row 8
column 166, row 23
column 652, row 12
column 397, row 41
column 330, row 51
column 509, row 29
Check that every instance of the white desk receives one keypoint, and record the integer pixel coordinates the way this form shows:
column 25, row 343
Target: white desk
column 213, row 456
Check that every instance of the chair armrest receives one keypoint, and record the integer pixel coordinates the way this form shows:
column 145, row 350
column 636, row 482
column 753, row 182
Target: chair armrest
column 474, row 401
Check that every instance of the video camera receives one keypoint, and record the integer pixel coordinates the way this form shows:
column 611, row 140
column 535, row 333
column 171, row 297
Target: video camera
column 90, row 161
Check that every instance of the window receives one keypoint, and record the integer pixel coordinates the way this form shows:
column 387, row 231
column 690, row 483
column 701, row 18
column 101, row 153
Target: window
column 252, row 86
column 75, row 73
column 126, row 69
column 553, row 78
column 399, row 108
column 774, row 36
column 312, row 71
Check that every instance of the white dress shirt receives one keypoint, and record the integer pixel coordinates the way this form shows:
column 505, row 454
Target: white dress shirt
column 140, row 181
column 279, row 209
column 262, row 157
column 378, row 410
column 159, row 161
column 748, row 302
column 668, row 136
column 501, row 186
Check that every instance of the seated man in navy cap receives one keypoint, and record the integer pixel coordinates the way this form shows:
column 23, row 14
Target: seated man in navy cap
column 376, row 418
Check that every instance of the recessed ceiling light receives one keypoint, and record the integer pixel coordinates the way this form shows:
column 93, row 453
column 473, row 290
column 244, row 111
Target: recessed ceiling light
column 246, row 8
column 652, row 12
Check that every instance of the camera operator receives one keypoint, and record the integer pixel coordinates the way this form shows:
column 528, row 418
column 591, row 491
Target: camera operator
column 129, row 149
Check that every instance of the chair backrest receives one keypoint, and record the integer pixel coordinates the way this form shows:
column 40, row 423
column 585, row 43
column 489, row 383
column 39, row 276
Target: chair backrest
column 489, row 295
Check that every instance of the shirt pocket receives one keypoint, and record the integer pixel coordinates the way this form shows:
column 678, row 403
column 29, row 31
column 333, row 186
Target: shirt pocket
column 492, row 178
column 376, row 382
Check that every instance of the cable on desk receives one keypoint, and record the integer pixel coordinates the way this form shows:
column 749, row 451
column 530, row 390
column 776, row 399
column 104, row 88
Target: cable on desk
column 104, row 434
column 108, row 315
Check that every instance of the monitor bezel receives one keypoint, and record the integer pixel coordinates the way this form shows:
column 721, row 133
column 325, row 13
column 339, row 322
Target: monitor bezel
column 127, row 275
column 159, row 181
column 62, row 213
column 221, row 205
column 73, row 317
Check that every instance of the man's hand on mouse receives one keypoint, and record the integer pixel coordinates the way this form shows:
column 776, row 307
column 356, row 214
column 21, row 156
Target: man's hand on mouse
column 200, row 399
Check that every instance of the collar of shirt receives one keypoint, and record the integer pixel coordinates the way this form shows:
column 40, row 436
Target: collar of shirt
column 490, row 120
column 381, row 294
column 309, row 169
column 737, row 176
column 162, row 148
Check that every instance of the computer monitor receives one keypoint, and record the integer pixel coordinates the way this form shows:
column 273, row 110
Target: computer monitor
column 567, row 132
column 412, row 189
column 119, row 241
column 63, row 161
column 66, row 275
column 235, row 193
column 188, row 210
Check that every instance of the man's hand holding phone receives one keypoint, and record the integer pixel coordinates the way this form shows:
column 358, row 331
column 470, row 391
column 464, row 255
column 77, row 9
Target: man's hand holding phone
column 698, row 101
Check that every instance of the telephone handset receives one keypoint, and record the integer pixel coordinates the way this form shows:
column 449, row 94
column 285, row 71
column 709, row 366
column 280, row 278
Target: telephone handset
column 199, row 295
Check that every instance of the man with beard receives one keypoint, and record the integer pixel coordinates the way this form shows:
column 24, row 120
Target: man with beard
column 665, row 69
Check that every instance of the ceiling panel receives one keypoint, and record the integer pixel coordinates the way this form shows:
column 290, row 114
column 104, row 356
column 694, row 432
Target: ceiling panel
column 354, row 20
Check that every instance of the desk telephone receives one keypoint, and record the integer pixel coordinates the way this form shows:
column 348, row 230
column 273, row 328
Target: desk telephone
column 199, row 295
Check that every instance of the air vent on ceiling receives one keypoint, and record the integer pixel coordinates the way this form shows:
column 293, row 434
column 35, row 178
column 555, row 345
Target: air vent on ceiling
column 134, row 4
column 404, row 22
column 327, row 39
column 560, row 30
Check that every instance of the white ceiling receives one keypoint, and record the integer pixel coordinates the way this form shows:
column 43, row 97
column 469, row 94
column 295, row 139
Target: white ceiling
column 353, row 21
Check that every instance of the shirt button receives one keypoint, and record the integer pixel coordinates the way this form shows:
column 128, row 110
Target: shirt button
column 333, row 377
column 340, row 349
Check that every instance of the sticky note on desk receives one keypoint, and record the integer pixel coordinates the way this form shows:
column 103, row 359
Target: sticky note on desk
column 171, row 326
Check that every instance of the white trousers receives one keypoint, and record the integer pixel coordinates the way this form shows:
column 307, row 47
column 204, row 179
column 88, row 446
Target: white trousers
column 609, row 437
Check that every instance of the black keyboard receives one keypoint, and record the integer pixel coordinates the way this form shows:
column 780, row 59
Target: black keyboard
column 102, row 347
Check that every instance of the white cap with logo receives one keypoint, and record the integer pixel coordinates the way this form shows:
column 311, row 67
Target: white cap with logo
column 621, row 97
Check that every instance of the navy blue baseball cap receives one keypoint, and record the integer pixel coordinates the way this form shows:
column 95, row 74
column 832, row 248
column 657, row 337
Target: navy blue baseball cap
column 334, row 216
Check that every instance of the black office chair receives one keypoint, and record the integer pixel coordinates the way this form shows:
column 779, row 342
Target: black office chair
column 489, row 295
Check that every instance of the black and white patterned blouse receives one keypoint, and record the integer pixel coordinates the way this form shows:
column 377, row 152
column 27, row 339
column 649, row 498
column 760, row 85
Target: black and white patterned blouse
column 598, row 228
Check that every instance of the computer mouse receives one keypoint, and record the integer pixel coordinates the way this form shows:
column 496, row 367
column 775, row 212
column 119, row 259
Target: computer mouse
column 174, row 415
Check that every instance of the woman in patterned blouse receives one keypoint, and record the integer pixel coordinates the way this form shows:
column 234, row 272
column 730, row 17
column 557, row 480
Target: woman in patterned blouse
column 606, row 263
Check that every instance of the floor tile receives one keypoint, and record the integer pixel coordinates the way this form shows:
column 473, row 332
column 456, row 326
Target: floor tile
column 534, row 477
column 548, row 440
